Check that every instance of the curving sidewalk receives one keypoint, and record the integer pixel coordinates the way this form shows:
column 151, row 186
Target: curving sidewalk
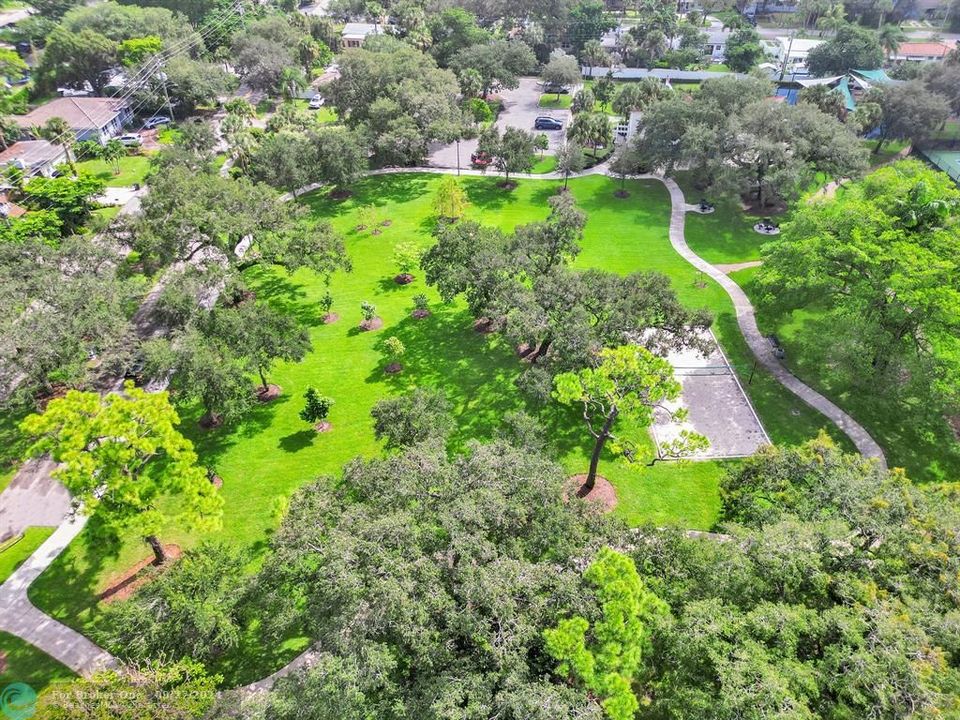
column 759, row 345
column 20, row 617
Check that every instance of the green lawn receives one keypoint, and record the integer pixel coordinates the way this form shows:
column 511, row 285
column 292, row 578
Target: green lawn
column 554, row 102
column 545, row 164
column 273, row 452
column 914, row 435
column 717, row 67
column 133, row 169
column 26, row 664
column 13, row 556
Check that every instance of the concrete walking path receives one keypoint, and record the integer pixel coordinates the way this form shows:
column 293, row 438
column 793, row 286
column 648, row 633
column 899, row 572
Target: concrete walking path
column 759, row 345
column 18, row 616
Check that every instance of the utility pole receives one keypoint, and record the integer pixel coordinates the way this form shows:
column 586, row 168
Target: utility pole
column 166, row 94
column 786, row 58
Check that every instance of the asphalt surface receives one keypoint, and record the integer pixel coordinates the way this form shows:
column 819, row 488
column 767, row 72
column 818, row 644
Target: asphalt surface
column 520, row 109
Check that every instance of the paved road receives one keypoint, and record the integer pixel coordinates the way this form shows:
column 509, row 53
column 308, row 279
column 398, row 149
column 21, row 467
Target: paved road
column 520, row 109
column 32, row 499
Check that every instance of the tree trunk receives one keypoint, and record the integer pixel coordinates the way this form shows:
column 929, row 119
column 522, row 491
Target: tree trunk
column 880, row 143
column 66, row 151
column 159, row 554
column 597, row 449
column 541, row 350
column 263, row 380
column 566, row 176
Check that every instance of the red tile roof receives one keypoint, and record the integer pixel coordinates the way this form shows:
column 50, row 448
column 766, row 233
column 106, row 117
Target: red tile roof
column 924, row 49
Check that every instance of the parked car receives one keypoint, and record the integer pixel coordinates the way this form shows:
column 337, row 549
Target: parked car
column 547, row 123
column 556, row 89
column 131, row 140
column 481, row 159
column 156, row 121
column 316, row 102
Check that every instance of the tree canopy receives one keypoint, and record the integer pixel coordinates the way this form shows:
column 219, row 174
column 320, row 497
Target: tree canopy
column 883, row 259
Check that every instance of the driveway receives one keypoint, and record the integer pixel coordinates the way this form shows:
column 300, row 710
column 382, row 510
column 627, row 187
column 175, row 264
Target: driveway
column 520, row 109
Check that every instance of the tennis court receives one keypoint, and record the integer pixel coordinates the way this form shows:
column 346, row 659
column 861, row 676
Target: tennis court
column 717, row 406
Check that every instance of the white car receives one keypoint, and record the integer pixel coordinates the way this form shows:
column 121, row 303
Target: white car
column 316, row 102
column 131, row 139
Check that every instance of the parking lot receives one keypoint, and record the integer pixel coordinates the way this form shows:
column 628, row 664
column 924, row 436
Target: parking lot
column 520, row 109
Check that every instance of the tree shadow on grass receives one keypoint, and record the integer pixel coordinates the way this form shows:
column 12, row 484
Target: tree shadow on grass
column 486, row 193
column 212, row 444
column 297, row 441
column 377, row 190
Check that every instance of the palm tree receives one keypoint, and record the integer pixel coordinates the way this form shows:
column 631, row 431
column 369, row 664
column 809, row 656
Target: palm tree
column 890, row 37
column 593, row 55
column 833, row 19
column 58, row 132
column 883, row 6
column 292, row 82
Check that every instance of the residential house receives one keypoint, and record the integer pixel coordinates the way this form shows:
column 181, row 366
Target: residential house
column 922, row 51
column 90, row 118
column 716, row 45
column 791, row 54
column 354, row 34
column 34, row 157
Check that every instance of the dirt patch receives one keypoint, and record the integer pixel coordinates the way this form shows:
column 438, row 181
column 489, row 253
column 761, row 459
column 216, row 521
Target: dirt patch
column 420, row 314
column 484, row 325
column 507, row 185
column 216, row 481
column 603, row 495
column 376, row 231
column 55, row 392
column 386, row 223
column 404, row 279
column 340, row 194
column 330, row 318
column 393, row 368
column 372, row 324
column 4, row 665
column 124, row 584
column 271, row 392
column 621, row 194
column 322, row 427
column 750, row 207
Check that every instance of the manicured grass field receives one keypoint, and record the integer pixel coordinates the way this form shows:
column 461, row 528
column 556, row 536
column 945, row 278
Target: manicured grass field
column 543, row 165
column 14, row 555
column 26, row 664
column 272, row 453
column 133, row 169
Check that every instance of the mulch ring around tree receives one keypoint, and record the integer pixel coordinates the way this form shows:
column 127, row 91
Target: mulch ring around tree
column 340, row 194
column 372, row 324
column 420, row 314
column 323, row 426
column 603, row 496
column 393, row 368
column 622, row 194
column 403, row 279
column 125, row 584
column 507, row 184
column 209, row 422
column 330, row 318
column 386, row 223
column 484, row 325
column 271, row 392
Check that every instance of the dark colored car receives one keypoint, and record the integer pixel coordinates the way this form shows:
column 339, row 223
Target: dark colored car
column 556, row 89
column 547, row 123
